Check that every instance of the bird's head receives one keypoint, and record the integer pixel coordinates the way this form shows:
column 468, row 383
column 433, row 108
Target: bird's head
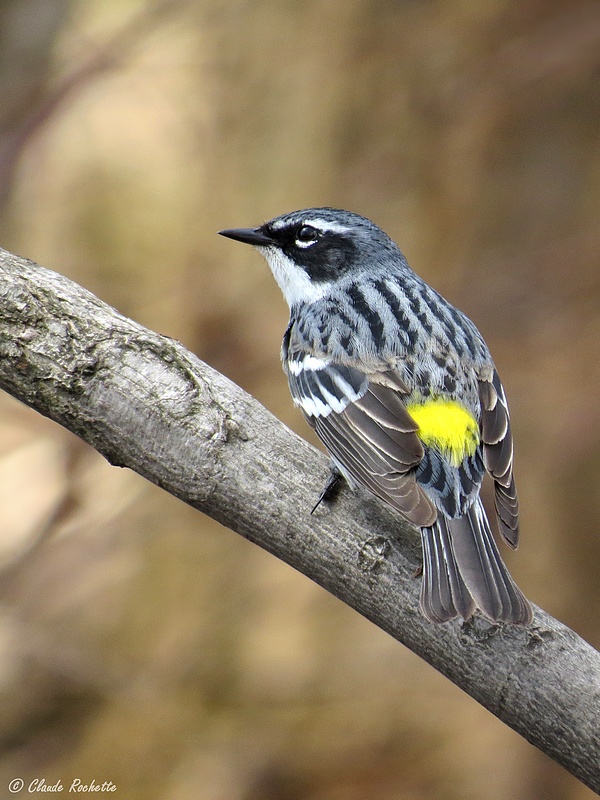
column 309, row 251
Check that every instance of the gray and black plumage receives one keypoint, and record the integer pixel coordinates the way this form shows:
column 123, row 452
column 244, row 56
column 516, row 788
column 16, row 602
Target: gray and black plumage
column 401, row 388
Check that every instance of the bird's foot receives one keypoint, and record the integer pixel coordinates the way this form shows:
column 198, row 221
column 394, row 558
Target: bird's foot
column 331, row 488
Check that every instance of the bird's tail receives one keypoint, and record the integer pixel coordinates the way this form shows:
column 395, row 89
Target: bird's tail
column 463, row 571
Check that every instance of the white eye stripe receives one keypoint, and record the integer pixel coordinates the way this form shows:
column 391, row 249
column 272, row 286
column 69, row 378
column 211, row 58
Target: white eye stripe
column 304, row 245
column 326, row 226
column 322, row 225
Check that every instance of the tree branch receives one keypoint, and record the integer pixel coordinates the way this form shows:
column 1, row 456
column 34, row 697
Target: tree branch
column 146, row 403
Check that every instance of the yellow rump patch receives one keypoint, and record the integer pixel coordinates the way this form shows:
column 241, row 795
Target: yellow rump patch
column 447, row 426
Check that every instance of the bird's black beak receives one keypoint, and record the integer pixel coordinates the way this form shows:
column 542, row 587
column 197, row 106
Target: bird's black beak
column 248, row 235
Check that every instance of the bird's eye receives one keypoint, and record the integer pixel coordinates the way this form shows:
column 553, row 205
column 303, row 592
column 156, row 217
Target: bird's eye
column 306, row 234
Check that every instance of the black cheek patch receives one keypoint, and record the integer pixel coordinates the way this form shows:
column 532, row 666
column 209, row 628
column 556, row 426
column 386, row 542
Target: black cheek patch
column 326, row 260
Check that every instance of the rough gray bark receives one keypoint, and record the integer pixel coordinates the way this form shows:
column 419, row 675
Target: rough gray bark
column 146, row 403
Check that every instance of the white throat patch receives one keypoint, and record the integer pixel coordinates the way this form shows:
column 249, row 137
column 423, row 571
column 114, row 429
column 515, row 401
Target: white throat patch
column 293, row 281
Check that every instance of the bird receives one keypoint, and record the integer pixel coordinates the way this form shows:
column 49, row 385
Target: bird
column 400, row 387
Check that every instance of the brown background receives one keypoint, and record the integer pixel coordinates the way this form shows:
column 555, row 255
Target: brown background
column 141, row 643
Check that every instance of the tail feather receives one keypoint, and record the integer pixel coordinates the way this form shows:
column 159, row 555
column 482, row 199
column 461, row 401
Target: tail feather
column 463, row 570
column 443, row 592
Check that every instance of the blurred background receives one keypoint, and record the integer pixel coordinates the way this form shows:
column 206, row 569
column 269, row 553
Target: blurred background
column 142, row 644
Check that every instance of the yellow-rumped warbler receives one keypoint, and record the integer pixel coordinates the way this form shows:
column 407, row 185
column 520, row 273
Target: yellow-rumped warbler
column 401, row 388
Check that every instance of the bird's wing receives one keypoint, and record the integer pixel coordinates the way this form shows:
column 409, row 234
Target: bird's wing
column 498, row 455
column 362, row 420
